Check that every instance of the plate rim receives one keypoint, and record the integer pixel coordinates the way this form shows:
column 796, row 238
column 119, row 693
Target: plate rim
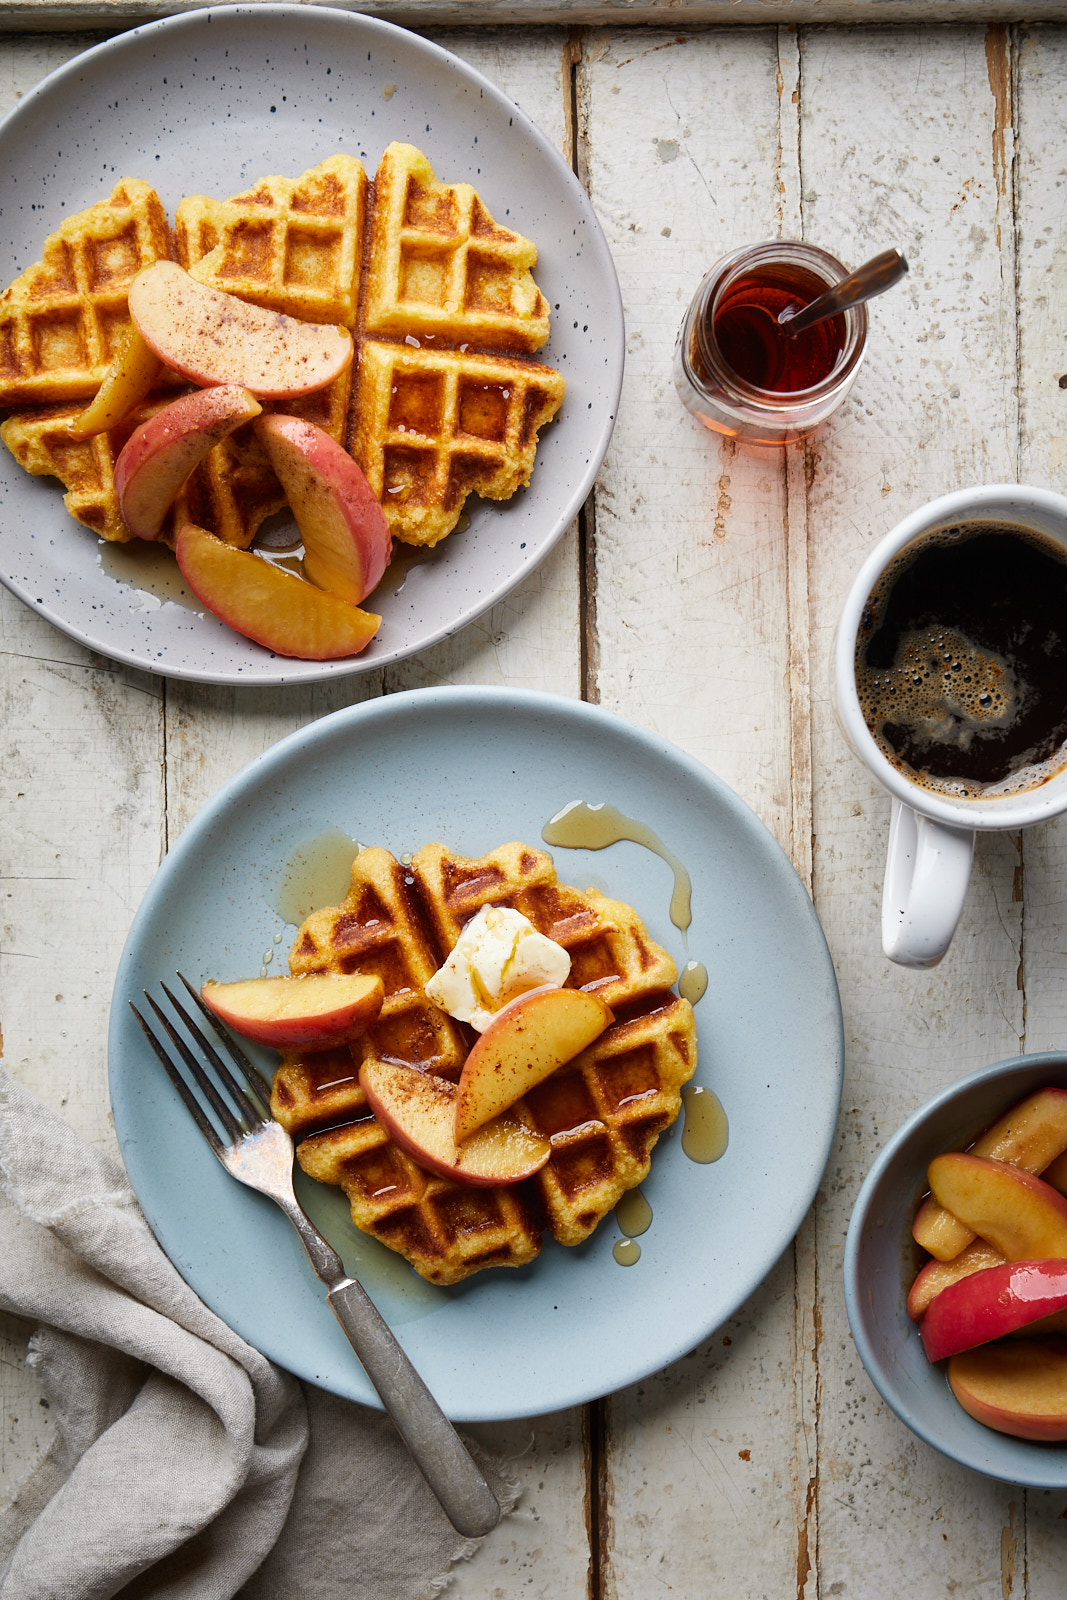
column 285, row 671
column 438, row 701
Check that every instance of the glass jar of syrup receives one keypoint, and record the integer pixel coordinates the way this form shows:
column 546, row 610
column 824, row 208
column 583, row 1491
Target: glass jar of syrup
column 735, row 367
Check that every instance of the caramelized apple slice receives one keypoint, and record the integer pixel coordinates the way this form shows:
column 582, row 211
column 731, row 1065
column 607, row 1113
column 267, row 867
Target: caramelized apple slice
column 418, row 1112
column 314, row 1010
column 991, row 1304
column 1018, row 1388
column 347, row 543
column 212, row 337
column 159, row 455
column 275, row 608
column 938, row 1275
column 525, row 1043
column 1023, row 1218
column 133, row 371
column 1030, row 1135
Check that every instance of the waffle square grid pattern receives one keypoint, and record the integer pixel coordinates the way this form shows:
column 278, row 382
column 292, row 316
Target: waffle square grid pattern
column 443, row 398
column 603, row 1112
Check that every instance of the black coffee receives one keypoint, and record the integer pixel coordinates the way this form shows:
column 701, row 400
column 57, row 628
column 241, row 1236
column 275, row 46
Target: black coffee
column 961, row 660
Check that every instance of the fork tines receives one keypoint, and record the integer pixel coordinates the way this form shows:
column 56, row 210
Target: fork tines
column 252, row 1115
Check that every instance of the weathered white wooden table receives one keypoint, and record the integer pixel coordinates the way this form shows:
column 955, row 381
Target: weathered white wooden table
column 696, row 595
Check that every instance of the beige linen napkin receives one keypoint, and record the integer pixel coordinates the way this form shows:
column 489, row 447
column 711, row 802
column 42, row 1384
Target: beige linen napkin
column 184, row 1465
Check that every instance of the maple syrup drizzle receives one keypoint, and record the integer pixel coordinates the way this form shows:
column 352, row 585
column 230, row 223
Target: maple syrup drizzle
column 693, row 982
column 633, row 1214
column 706, row 1131
column 317, row 874
column 627, row 1252
column 580, row 826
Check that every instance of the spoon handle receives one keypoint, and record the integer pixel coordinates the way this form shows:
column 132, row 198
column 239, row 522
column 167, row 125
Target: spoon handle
column 874, row 277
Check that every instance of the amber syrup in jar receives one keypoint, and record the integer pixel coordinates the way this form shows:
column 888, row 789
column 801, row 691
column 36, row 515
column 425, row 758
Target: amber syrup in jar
column 754, row 343
column 735, row 367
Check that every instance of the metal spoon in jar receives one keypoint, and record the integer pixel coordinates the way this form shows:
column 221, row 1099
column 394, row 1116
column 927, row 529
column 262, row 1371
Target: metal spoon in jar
column 874, row 277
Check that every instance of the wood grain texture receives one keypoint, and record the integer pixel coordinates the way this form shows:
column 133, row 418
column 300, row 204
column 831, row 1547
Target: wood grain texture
column 44, row 15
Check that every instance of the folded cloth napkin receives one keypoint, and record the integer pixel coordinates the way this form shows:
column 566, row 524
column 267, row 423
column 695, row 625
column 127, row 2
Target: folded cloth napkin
column 184, row 1466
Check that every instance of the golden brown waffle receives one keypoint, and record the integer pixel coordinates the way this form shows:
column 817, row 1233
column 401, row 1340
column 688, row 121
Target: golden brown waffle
column 40, row 443
column 439, row 266
column 603, row 1111
column 441, row 401
column 429, row 427
column 291, row 245
column 61, row 319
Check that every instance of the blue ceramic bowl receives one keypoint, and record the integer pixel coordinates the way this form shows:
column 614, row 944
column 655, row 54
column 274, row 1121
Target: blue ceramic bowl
column 881, row 1259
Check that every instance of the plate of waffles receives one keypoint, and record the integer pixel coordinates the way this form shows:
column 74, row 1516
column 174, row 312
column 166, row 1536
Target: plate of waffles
column 366, row 843
column 336, row 169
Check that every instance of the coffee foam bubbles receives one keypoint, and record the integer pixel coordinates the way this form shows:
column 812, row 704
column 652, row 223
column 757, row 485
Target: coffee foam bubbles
column 945, row 689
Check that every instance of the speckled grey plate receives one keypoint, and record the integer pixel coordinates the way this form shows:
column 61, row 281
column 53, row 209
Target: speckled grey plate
column 206, row 103
column 475, row 768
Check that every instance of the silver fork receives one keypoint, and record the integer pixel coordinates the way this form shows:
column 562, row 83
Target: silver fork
column 258, row 1152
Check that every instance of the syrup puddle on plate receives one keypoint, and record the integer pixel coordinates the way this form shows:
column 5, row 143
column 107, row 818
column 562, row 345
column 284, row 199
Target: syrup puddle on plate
column 151, row 571
column 317, row 874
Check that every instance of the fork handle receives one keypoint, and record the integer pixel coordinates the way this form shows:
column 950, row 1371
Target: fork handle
column 438, row 1451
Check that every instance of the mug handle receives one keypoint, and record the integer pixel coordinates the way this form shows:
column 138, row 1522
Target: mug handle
column 926, row 874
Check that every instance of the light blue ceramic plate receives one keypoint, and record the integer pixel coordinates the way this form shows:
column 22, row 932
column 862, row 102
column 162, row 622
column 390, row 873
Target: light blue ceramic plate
column 475, row 768
column 206, row 103
column 881, row 1260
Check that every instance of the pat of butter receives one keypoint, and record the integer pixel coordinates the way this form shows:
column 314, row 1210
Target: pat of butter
column 499, row 955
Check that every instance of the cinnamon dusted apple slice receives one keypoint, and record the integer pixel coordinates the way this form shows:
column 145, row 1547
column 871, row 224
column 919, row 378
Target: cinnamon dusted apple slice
column 275, row 608
column 1023, row 1218
column 418, row 1112
column 133, row 371
column 212, row 337
column 1018, row 1388
column 1029, row 1135
column 988, row 1305
column 528, row 1039
column 347, row 543
column 314, row 1010
column 159, row 455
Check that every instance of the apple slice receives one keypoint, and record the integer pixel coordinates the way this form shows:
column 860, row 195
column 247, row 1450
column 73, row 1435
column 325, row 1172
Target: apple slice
column 275, row 608
column 314, row 1010
column 133, row 371
column 1019, row 1215
column 988, row 1305
column 1056, row 1173
column 1018, row 1388
column 418, row 1112
column 347, row 544
column 1029, row 1135
column 159, row 455
column 212, row 337
column 937, row 1275
column 525, row 1043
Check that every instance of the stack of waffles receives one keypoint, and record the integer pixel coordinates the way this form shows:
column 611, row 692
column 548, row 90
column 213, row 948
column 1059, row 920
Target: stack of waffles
column 603, row 1111
column 443, row 398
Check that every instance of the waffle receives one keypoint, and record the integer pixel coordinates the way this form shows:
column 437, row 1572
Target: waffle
column 442, row 400
column 432, row 426
column 440, row 267
column 289, row 245
column 603, row 1111
column 61, row 319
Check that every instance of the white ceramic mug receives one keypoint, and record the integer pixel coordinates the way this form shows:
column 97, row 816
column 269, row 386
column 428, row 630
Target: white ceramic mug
column 931, row 836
